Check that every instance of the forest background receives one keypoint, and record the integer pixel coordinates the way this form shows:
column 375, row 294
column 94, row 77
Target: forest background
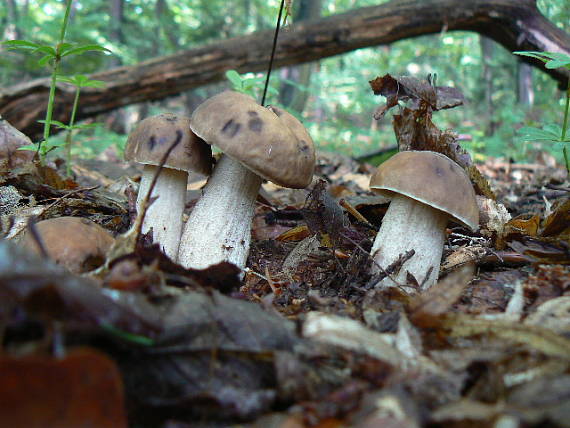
column 332, row 96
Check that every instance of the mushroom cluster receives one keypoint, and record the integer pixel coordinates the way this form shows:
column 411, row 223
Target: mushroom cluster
column 427, row 189
column 258, row 143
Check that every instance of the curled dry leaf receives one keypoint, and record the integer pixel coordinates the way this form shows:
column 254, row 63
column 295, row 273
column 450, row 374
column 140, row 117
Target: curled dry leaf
column 534, row 337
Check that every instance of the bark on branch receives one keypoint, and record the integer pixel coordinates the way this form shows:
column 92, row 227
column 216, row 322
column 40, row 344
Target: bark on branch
column 516, row 24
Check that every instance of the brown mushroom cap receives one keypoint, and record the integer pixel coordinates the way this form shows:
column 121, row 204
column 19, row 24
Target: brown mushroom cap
column 269, row 141
column 76, row 243
column 430, row 178
column 153, row 136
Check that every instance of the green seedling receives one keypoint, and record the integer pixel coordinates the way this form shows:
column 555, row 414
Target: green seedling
column 79, row 81
column 247, row 85
column 52, row 57
column 551, row 132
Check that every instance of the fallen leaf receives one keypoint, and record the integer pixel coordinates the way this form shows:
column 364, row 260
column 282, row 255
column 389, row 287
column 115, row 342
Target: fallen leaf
column 82, row 389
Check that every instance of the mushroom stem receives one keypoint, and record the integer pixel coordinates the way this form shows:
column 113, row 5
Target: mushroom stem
column 410, row 225
column 164, row 215
column 219, row 227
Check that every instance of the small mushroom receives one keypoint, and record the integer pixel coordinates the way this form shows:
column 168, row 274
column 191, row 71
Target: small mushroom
column 147, row 144
column 427, row 189
column 258, row 142
column 78, row 244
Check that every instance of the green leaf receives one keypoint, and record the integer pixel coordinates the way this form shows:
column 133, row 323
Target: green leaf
column 552, row 59
column 84, row 48
column 128, row 336
column 47, row 50
column 235, row 79
column 62, row 47
column 66, row 79
column 45, row 59
column 549, row 133
column 20, row 44
column 94, row 84
column 81, row 81
column 87, row 125
column 32, row 147
column 56, row 123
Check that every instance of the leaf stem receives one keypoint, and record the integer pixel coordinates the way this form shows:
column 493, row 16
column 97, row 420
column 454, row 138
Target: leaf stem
column 51, row 99
column 565, row 128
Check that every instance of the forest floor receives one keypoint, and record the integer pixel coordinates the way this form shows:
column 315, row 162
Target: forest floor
column 305, row 339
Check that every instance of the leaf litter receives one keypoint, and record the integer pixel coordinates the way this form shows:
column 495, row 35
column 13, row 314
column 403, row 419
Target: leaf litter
column 305, row 339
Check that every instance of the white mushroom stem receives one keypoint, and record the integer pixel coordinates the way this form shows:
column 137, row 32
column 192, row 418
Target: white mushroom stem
column 410, row 225
column 219, row 227
column 164, row 215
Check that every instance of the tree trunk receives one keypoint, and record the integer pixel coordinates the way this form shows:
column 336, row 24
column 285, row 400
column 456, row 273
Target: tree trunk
column 516, row 24
column 13, row 21
column 487, row 57
column 116, row 121
column 289, row 94
column 525, row 90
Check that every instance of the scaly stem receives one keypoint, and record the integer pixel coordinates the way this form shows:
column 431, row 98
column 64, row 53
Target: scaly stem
column 219, row 227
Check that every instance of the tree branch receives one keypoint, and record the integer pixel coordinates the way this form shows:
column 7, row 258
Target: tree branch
column 516, row 24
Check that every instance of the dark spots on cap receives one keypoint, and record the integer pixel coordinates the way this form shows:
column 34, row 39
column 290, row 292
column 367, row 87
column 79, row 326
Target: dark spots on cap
column 151, row 143
column 303, row 146
column 252, row 113
column 231, row 128
column 439, row 172
column 171, row 119
column 255, row 124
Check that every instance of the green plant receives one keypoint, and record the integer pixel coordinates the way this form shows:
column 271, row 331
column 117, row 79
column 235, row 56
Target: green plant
column 551, row 132
column 79, row 81
column 247, row 85
column 52, row 56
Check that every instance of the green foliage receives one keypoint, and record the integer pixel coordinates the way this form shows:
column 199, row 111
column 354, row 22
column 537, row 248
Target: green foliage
column 551, row 132
column 338, row 112
column 52, row 56
column 251, row 86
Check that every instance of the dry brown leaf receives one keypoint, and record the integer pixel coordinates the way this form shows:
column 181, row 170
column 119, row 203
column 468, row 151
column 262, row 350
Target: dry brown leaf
column 535, row 337
column 295, row 234
column 425, row 308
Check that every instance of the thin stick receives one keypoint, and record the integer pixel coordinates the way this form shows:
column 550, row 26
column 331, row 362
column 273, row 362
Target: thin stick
column 355, row 213
column 272, row 52
column 145, row 203
column 37, row 237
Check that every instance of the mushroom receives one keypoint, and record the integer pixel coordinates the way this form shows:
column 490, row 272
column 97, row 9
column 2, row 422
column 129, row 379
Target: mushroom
column 147, row 145
column 76, row 243
column 258, row 143
column 426, row 190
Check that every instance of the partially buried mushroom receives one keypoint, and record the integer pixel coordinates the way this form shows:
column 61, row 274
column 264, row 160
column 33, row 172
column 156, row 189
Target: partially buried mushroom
column 427, row 189
column 147, row 144
column 258, row 142
column 78, row 244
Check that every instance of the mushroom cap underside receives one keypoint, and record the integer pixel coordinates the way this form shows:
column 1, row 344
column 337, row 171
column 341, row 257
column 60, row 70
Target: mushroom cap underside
column 153, row 136
column 431, row 178
column 268, row 140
